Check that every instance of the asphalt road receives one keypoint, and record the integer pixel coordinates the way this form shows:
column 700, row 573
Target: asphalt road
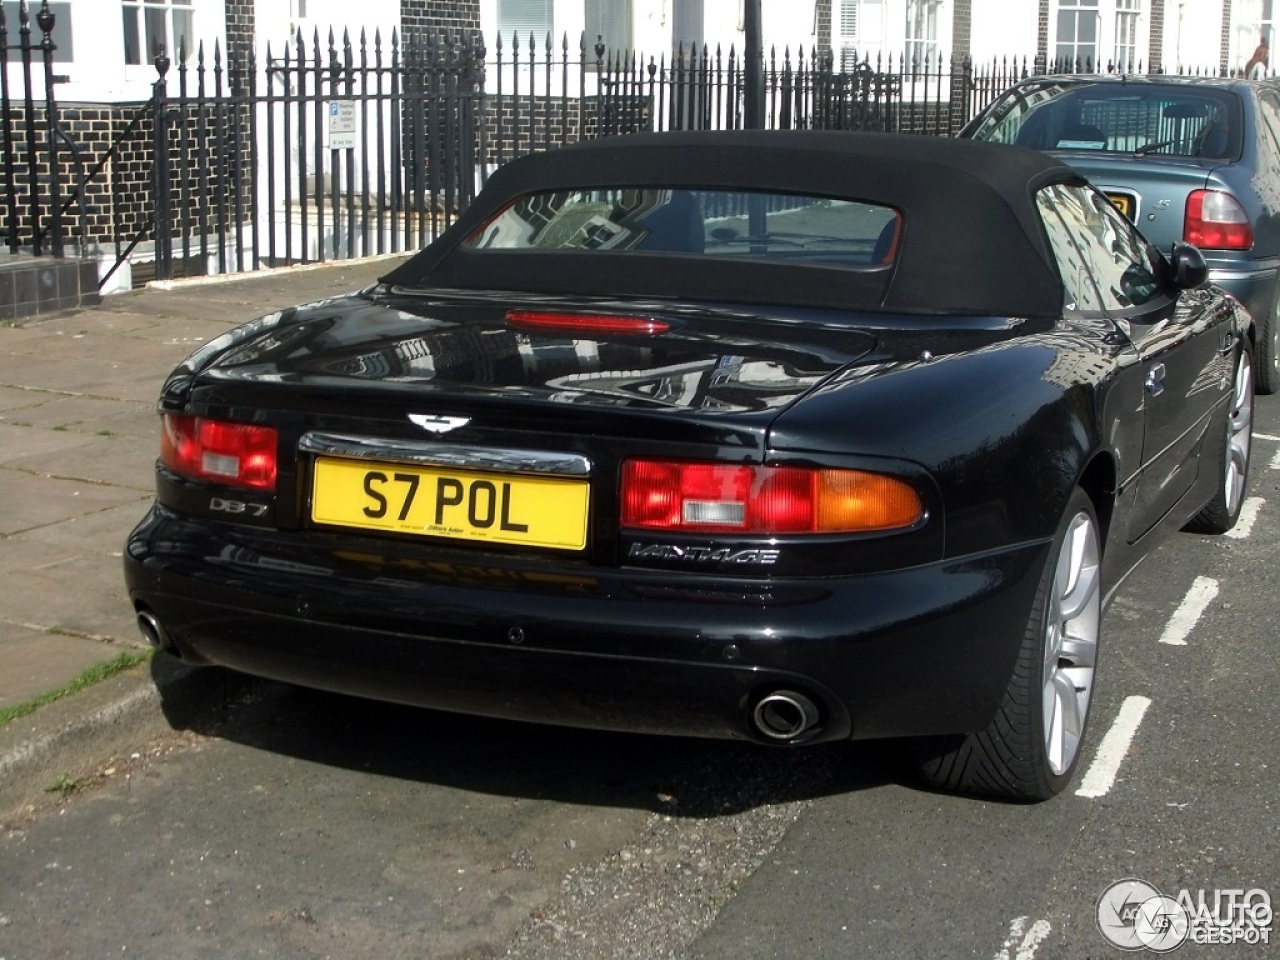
column 294, row 824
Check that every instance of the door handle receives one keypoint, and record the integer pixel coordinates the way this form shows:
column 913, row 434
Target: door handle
column 1155, row 380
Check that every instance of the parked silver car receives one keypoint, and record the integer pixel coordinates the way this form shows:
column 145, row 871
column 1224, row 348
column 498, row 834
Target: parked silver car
column 1194, row 160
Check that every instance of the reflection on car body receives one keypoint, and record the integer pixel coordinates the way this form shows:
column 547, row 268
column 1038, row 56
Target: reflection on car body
column 783, row 437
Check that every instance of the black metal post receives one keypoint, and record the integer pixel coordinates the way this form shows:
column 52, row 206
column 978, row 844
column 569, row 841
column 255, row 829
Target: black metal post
column 753, row 66
column 11, row 186
column 33, row 160
column 160, row 173
column 45, row 20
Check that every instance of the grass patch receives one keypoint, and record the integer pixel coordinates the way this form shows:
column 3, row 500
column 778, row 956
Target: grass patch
column 66, row 785
column 86, row 678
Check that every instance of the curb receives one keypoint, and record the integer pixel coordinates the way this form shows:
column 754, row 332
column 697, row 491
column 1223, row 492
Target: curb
column 72, row 736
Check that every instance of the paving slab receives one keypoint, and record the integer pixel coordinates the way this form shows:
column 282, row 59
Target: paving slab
column 50, row 411
column 29, row 655
column 119, row 461
column 28, row 501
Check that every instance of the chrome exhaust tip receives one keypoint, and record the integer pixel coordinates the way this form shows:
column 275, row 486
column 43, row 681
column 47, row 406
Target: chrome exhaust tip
column 784, row 715
column 152, row 630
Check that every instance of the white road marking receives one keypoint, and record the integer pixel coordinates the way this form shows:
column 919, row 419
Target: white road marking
column 1275, row 461
column 1101, row 776
column 1248, row 514
column 1189, row 612
column 1031, row 942
column 1265, row 436
column 1016, row 927
column 1027, row 945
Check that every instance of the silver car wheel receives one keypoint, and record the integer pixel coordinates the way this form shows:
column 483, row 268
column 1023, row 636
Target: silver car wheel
column 1239, row 436
column 1071, row 642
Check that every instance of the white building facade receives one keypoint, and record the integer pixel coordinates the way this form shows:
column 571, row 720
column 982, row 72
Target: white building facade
column 107, row 47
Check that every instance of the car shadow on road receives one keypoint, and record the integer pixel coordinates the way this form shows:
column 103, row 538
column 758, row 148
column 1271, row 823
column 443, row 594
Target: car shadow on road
column 678, row 776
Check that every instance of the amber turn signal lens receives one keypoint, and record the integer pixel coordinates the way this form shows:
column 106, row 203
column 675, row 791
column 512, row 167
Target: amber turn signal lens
column 855, row 500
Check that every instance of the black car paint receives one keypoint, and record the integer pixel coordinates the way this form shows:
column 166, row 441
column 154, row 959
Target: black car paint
column 931, row 597
column 995, row 401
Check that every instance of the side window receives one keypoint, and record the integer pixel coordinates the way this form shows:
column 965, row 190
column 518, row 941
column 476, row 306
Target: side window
column 1270, row 113
column 1114, row 253
column 1080, row 291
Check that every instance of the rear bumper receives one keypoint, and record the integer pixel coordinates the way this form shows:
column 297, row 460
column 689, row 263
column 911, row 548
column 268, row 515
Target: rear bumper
column 924, row 650
column 1255, row 288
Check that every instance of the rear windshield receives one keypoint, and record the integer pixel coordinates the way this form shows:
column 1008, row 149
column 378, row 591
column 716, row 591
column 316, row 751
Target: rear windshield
column 1134, row 118
column 715, row 223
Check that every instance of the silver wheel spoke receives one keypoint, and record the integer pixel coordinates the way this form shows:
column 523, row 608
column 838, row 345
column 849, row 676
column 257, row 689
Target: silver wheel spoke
column 1078, row 652
column 1071, row 642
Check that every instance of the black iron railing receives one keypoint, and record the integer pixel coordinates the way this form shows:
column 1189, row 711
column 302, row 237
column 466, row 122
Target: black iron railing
column 329, row 149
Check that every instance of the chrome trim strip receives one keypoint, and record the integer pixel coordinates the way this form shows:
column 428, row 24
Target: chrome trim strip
column 498, row 460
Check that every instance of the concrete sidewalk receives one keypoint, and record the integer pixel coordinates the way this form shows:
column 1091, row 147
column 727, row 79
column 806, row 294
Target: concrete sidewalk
column 78, row 441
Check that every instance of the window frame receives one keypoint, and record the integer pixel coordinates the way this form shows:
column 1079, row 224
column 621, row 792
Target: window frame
column 1126, row 39
column 921, row 15
column 512, row 24
column 134, row 55
column 1077, row 12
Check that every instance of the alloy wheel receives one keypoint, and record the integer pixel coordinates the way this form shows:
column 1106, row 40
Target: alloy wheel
column 1240, row 435
column 1071, row 642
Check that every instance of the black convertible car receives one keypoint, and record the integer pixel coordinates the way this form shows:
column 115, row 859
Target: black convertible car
column 788, row 437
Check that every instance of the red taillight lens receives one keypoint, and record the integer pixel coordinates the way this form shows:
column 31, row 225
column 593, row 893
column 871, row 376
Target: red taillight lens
column 727, row 498
column 540, row 321
column 236, row 454
column 1216, row 221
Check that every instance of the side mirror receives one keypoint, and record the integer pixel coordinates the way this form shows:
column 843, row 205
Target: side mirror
column 1187, row 268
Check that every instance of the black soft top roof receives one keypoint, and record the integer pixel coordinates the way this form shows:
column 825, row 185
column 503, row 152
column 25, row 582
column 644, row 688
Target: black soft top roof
column 972, row 241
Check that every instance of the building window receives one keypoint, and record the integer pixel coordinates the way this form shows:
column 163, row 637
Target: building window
column 609, row 21
column 525, row 17
column 859, row 31
column 153, row 27
column 687, row 20
column 61, row 26
column 1126, row 55
column 922, row 31
column 1077, row 43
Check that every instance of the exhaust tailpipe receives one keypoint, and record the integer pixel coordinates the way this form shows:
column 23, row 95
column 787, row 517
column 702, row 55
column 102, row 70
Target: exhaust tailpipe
column 784, row 715
column 152, row 630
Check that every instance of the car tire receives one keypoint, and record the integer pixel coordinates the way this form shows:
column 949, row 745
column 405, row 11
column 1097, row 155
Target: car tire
column 1030, row 749
column 1232, row 454
column 1267, row 350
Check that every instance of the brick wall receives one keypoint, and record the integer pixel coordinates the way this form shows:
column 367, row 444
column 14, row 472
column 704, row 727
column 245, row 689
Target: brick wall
column 1042, row 37
column 1224, row 55
column 239, row 28
column 961, row 29
column 450, row 16
column 1155, row 57
column 118, row 196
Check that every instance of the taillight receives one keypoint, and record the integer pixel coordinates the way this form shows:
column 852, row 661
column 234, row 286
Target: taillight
column 1216, row 221
column 543, row 321
column 729, row 498
column 236, row 454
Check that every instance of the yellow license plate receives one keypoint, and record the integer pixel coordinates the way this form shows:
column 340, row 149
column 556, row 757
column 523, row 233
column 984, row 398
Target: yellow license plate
column 1123, row 203
column 491, row 507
